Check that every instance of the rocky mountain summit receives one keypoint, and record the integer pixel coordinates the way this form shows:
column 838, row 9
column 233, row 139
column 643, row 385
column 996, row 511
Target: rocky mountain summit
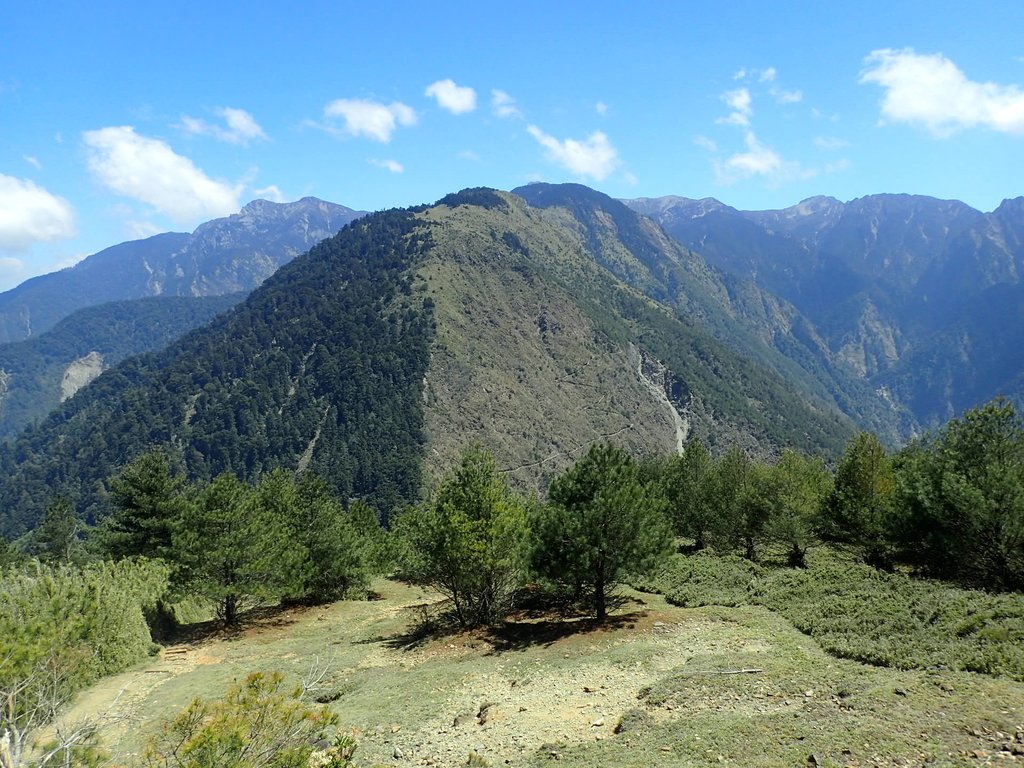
column 912, row 294
column 227, row 255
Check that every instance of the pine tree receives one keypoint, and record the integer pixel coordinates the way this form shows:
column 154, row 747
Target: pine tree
column 738, row 517
column 689, row 489
column 601, row 523
column 233, row 546
column 58, row 537
column 861, row 510
column 964, row 492
column 798, row 486
column 148, row 499
column 470, row 540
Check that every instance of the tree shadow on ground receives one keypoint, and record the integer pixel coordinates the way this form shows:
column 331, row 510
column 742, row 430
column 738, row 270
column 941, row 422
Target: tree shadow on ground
column 535, row 627
column 257, row 619
column 516, row 635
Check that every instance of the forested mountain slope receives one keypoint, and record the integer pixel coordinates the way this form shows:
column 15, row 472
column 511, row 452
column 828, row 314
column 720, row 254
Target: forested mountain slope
column 748, row 318
column 39, row 373
column 410, row 335
column 227, row 255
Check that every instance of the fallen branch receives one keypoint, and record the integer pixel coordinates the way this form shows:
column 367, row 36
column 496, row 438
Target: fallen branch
column 722, row 672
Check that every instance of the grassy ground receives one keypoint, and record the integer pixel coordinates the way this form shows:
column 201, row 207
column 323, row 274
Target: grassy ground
column 539, row 691
column 860, row 613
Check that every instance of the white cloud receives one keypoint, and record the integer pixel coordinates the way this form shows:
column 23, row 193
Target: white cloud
column 786, row 97
column 241, row 126
column 30, row 214
column 739, row 101
column 705, row 143
column 389, row 165
column 33, row 161
column 602, row 108
column 271, row 192
column 66, row 262
column 150, row 171
column 504, row 105
column 931, row 91
column 758, row 160
column 457, row 99
column 594, row 157
column 838, row 166
column 740, row 74
column 370, row 118
column 469, row 154
column 767, row 75
column 140, row 230
column 830, row 142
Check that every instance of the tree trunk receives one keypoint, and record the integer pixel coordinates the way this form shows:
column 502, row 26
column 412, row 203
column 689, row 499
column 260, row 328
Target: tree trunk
column 231, row 610
column 797, row 557
column 600, row 602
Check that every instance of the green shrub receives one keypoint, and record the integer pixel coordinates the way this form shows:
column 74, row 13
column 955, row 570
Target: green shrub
column 857, row 612
column 256, row 724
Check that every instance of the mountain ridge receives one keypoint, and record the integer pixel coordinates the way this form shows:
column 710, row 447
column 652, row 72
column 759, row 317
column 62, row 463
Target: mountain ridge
column 227, row 255
column 386, row 350
column 881, row 277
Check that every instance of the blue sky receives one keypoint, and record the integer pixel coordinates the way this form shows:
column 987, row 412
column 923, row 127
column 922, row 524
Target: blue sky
column 122, row 120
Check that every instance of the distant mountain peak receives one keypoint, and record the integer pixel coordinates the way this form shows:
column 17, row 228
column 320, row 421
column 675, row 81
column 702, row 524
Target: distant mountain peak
column 816, row 204
column 1011, row 205
column 225, row 255
column 684, row 206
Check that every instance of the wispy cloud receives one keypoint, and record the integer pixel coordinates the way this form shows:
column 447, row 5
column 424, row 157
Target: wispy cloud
column 782, row 96
column 741, row 104
column 239, row 127
column 705, row 143
column 931, row 91
column 135, row 229
column 457, row 99
column 30, row 214
column 601, row 108
column 389, row 165
column 270, row 192
column 504, row 105
column 830, row 143
column 369, row 119
column 33, row 161
column 148, row 170
column 594, row 157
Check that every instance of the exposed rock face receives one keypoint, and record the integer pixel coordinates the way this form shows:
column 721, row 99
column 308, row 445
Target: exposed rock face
column 893, row 284
column 79, row 373
column 669, row 390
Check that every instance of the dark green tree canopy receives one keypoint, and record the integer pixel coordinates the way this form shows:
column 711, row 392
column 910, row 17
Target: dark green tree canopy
column 470, row 540
column 602, row 523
